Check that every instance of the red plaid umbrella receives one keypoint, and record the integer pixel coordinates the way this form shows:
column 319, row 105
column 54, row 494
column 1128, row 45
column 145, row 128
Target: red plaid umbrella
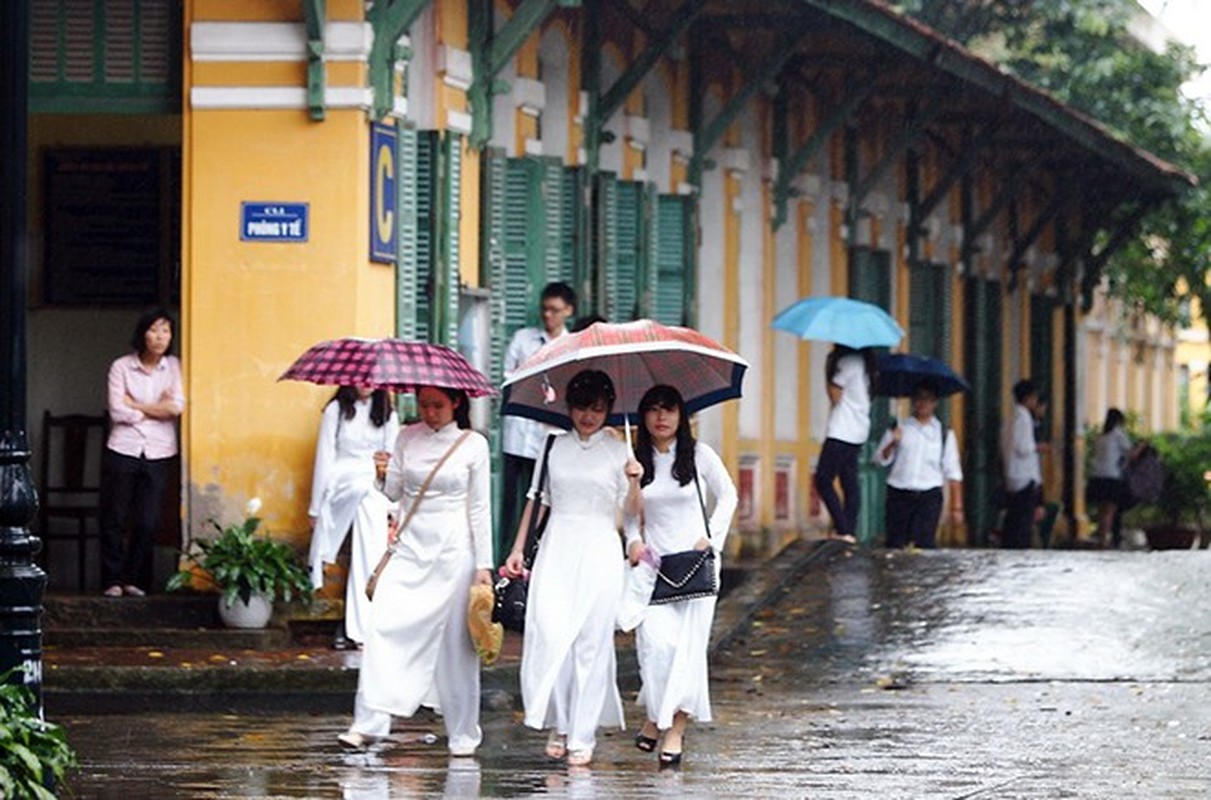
column 637, row 356
column 388, row 364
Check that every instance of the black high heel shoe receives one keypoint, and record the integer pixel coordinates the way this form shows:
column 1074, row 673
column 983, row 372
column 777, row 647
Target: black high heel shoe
column 645, row 743
column 668, row 760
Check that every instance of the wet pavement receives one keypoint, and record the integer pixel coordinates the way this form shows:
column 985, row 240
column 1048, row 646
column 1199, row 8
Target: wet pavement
column 948, row 674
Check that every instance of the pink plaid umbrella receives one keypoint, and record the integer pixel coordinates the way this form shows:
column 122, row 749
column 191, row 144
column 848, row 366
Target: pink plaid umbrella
column 388, row 364
column 637, row 356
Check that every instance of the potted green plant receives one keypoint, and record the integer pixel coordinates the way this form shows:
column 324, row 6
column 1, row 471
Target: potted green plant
column 1180, row 514
column 34, row 754
column 250, row 571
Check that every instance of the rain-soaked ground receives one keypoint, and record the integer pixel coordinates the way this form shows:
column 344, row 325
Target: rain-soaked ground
column 950, row 674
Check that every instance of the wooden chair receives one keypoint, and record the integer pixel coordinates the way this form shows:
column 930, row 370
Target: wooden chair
column 70, row 487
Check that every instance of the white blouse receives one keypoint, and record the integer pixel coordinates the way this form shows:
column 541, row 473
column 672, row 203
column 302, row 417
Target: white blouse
column 1019, row 451
column 353, row 440
column 463, row 482
column 1110, row 452
column 922, row 460
column 585, row 476
column 672, row 513
column 849, row 419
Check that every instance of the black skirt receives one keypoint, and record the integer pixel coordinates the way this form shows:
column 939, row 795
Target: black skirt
column 1107, row 490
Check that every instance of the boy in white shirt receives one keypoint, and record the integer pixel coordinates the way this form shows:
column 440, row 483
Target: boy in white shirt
column 522, row 439
column 922, row 455
column 1023, row 471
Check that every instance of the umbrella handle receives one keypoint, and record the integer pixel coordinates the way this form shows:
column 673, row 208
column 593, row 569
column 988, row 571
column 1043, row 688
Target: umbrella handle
column 627, row 427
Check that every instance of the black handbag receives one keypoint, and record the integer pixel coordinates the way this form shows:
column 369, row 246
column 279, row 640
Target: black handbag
column 509, row 608
column 689, row 574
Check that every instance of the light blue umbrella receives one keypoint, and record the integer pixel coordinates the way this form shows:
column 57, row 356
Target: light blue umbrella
column 843, row 320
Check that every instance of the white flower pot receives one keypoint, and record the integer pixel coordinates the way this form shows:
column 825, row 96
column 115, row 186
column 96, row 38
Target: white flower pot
column 253, row 614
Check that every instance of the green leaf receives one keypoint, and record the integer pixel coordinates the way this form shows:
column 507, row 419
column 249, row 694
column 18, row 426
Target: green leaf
column 31, row 762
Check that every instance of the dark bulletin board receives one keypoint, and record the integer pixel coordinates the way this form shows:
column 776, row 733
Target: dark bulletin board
column 107, row 232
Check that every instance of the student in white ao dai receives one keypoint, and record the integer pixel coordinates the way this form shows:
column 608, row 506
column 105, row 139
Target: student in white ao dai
column 672, row 639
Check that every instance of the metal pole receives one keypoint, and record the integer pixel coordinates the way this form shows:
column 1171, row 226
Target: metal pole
column 21, row 581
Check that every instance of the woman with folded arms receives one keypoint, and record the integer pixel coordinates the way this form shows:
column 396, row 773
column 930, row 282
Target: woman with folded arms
column 145, row 398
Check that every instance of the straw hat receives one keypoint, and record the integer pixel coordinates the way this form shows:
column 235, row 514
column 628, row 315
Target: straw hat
column 486, row 635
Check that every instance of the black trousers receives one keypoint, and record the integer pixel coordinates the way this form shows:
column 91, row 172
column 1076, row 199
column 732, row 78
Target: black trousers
column 839, row 459
column 518, row 472
column 913, row 517
column 1019, row 517
column 132, row 493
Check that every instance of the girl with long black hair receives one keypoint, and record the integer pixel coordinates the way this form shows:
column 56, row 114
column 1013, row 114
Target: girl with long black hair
column 356, row 423
column 680, row 475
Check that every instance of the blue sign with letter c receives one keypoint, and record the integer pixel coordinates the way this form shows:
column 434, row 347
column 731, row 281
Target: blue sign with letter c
column 383, row 176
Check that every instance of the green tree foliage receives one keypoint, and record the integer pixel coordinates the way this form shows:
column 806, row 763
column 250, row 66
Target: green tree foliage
column 1082, row 51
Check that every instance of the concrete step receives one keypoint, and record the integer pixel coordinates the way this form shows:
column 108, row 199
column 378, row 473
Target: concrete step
column 154, row 611
column 198, row 638
column 198, row 680
column 179, row 620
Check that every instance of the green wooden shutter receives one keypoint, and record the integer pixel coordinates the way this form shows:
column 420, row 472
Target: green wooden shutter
column 982, row 429
column 550, row 221
column 929, row 316
column 407, row 295
column 921, row 319
column 605, row 235
column 671, row 264
column 417, row 158
column 645, row 276
column 870, row 280
column 1042, row 342
column 568, row 239
column 518, row 246
column 492, row 248
column 693, row 242
column 115, row 56
column 446, row 278
column 622, row 279
column 424, row 242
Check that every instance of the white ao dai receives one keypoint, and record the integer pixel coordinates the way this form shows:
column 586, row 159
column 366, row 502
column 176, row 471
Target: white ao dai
column 672, row 640
column 419, row 651
column 568, row 668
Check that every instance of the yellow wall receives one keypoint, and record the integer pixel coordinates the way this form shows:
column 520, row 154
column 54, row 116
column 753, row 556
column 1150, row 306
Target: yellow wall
column 252, row 307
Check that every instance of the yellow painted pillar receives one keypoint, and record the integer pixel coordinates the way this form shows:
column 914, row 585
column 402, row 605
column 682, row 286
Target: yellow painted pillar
column 805, row 448
column 731, row 314
column 769, row 358
column 249, row 308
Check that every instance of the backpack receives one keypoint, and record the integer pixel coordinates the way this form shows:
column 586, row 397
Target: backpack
column 1145, row 476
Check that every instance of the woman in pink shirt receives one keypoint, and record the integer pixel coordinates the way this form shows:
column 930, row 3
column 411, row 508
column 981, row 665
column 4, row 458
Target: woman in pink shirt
column 145, row 399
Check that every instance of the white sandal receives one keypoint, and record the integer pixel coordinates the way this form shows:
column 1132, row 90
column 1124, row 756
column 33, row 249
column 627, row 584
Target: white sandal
column 353, row 740
column 580, row 758
column 557, row 745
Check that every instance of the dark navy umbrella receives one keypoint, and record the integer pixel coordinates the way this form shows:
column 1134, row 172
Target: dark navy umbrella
column 901, row 373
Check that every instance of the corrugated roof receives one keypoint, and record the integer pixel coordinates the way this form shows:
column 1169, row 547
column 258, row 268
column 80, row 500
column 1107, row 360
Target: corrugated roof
column 878, row 20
